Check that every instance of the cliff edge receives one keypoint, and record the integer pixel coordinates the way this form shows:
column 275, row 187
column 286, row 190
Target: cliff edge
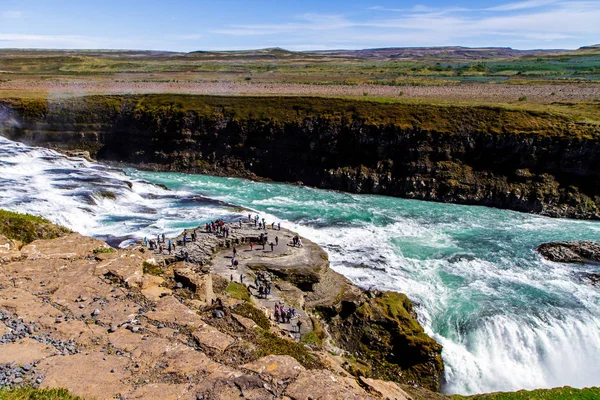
column 523, row 160
column 138, row 323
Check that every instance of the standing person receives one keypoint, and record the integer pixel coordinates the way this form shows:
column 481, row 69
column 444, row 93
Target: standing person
column 240, row 221
column 241, row 278
column 231, row 277
column 251, row 246
column 276, row 314
column 299, row 324
column 233, row 262
column 273, row 225
column 169, row 246
column 276, row 240
column 279, row 226
column 234, row 251
column 271, row 244
column 163, row 237
column 249, row 218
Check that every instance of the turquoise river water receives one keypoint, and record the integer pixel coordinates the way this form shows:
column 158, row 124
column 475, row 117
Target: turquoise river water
column 507, row 319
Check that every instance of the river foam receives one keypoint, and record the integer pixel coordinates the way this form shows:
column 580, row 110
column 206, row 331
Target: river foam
column 507, row 319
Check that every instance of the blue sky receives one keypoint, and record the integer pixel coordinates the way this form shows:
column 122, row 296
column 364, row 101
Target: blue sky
column 296, row 25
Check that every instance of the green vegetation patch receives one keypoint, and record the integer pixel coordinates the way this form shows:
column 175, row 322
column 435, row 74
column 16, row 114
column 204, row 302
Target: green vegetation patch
column 104, row 250
column 238, row 291
column 28, row 393
column 249, row 311
column 27, row 228
column 315, row 337
column 563, row 393
column 269, row 343
column 151, row 269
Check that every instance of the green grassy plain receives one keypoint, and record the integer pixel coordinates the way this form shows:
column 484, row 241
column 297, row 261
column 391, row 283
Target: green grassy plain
column 318, row 68
column 563, row 393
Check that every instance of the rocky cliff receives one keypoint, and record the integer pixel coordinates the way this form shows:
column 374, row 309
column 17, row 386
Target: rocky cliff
column 521, row 160
column 135, row 323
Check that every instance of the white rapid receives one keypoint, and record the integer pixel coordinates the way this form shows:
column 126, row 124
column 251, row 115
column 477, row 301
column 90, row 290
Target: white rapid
column 507, row 319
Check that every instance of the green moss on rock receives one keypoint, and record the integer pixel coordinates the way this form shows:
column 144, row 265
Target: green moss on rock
column 269, row 343
column 249, row 311
column 238, row 291
column 381, row 330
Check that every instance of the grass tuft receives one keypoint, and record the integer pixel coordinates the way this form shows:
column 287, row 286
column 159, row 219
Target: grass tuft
column 249, row 311
column 269, row 343
column 103, row 250
column 238, row 291
column 26, row 228
column 28, row 393
column 563, row 393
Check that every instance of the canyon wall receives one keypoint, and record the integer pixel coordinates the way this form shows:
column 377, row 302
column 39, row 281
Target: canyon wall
column 506, row 158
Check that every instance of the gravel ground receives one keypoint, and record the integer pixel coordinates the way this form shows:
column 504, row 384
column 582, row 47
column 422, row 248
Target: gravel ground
column 472, row 92
column 13, row 375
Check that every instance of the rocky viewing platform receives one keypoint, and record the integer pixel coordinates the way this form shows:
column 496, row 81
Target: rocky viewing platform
column 132, row 323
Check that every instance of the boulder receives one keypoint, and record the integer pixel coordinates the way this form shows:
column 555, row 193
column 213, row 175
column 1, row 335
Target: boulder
column 570, row 252
column 277, row 368
column 94, row 375
column 324, row 385
column 385, row 389
column 170, row 310
column 198, row 281
column 210, row 336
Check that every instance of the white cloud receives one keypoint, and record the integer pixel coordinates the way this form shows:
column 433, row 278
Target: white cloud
column 18, row 40
column 522, row 5
column 531, row 23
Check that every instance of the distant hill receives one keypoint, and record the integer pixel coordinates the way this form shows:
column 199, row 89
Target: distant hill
column 427, row 54
column 450, row 53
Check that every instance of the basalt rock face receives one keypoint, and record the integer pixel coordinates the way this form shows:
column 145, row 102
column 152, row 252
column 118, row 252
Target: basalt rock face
column 381, row 330
column 512, row 159
column 571, row 252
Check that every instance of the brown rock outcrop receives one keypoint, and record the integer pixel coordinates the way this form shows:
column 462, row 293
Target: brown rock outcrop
column 571, row 252
column 101, row 333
